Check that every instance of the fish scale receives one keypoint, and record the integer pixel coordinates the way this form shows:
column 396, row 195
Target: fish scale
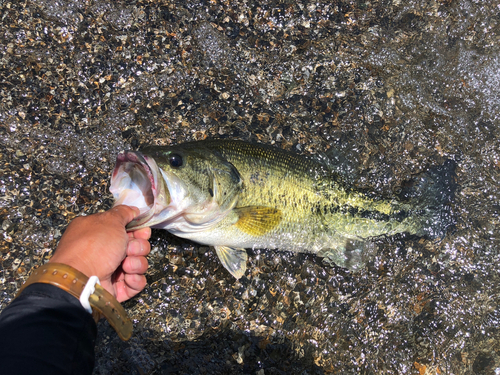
column 235, row 195
column 306, row 194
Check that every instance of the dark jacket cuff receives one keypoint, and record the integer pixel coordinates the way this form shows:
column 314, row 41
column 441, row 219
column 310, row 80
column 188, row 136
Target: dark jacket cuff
column 46, row 331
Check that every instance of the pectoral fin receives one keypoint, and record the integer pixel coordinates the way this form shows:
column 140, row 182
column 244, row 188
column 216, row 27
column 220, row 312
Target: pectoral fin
column 233, row 259
column 256, row 220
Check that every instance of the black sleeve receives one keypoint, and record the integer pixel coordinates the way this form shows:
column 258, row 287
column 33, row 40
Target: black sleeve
column 46, row 331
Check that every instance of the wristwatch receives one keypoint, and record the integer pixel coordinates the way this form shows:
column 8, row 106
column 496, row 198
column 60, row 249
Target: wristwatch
column 73, row 281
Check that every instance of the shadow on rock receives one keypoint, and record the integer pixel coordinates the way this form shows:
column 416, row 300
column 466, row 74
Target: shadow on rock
column 227, row 350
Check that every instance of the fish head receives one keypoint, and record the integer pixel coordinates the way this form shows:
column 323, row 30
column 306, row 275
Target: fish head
column 177, row 188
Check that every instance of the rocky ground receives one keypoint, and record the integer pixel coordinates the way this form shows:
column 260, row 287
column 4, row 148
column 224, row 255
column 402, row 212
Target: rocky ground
column 385, row 89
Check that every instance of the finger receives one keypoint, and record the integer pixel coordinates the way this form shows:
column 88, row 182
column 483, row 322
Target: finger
column 144, row 233
column 135, row 282
column 138, row 247
column 129, row 286
column 135, row 265
column 118, row 275
column 123, row 214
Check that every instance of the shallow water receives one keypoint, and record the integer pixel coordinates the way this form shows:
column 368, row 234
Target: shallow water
column 386, row 89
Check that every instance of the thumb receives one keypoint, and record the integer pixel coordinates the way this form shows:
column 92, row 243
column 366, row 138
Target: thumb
column 123, row 214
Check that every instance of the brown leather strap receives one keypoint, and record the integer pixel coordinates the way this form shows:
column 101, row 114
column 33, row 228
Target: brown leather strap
column 73, row 281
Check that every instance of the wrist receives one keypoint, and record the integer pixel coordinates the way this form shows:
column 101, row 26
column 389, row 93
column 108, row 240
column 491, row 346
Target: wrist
column 75, row 263
column 75, row 283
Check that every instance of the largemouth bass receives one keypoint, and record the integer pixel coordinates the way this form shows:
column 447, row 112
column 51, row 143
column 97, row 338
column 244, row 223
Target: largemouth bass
column 234, row 195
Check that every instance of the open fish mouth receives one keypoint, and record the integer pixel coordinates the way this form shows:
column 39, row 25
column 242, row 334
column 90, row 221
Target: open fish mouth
column 134, row 182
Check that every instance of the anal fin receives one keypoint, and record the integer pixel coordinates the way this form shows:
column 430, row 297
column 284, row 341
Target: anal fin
column 233, row 259
column 350, row 254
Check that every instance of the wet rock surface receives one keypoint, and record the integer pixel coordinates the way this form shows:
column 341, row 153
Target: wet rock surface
column 386, row 89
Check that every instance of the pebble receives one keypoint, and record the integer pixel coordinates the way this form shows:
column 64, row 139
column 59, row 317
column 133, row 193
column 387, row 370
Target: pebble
column 380, row 92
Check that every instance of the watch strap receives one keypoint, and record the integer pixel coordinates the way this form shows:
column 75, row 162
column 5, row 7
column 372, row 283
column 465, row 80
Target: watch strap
column 73, row 281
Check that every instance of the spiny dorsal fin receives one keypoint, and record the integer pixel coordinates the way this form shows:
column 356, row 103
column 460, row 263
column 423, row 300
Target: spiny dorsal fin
column 257, row 220
column 233, row 259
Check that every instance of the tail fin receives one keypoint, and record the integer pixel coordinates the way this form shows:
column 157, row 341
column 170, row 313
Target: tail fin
column 431, row 194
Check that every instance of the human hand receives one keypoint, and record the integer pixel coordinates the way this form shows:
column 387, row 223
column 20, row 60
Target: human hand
column 99, row 245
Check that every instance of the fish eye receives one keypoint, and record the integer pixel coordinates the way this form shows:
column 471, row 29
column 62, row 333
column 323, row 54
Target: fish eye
column 175, row 160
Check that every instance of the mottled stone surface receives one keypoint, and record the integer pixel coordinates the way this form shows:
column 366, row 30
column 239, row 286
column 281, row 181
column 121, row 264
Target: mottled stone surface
column 384, row 89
